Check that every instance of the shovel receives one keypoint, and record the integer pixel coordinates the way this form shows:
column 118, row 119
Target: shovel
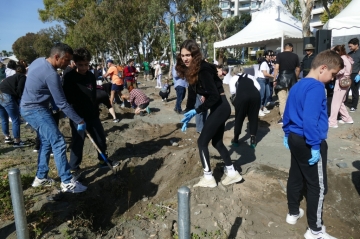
column 99, row 151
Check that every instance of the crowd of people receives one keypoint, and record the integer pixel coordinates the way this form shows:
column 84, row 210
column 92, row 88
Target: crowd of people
column 38, row 92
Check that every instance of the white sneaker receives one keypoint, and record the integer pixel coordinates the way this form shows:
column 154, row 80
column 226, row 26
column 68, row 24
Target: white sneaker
column 343, row 122
column 261, row 113
column 265, row 110
column 122, row 105
column 72, row 187
column 206, row 183
column 45, row 182
column 321, row 235
column 292, row 219
column 231, row 179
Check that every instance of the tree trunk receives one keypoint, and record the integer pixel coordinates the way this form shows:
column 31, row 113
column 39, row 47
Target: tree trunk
column 325, row 4
column 306, row 8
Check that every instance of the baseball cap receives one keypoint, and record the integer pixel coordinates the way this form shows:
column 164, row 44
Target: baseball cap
column 109, row 61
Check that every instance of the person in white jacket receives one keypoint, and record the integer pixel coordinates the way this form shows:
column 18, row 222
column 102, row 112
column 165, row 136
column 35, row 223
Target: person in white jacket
column 158, row 74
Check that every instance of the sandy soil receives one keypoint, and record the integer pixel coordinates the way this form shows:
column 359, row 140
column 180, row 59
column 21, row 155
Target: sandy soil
column 140, row 201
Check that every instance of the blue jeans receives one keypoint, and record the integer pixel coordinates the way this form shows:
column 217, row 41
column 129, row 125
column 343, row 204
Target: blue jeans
column 9, row 107
column 264, row 90
column 200, row 118
column 180, row 95
column 42, row 121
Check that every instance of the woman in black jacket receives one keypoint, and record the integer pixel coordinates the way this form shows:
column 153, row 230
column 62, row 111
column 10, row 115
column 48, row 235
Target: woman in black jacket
column 203, row 80
column 11, row 90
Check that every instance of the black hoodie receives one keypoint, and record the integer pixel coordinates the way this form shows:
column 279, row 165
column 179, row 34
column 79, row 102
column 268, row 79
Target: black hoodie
column 208, row 85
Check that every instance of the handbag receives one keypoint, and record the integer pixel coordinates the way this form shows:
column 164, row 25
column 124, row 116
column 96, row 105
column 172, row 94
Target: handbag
column 345, row 82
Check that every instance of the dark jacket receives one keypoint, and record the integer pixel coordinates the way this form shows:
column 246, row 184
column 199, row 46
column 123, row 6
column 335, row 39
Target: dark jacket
column 80, row 92
column 208, row 85
column 305, row 65
column 13, row 85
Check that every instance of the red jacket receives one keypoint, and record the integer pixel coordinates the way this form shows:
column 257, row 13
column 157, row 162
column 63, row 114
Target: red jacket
column 127, row 72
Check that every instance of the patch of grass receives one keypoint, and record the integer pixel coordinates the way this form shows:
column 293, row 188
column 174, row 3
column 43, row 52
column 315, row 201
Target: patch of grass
column 6, row 210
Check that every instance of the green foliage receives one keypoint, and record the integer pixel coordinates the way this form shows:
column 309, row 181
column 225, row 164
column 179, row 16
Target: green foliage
column 23, row 47
column 335, row 8
column 5, row 197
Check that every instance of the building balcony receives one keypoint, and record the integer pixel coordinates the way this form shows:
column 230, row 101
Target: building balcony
column 316, row 24
column 225, row 8
column 244, row 9
column 318, row 11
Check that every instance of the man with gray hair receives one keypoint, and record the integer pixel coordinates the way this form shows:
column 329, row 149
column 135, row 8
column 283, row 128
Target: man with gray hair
column 43, row 84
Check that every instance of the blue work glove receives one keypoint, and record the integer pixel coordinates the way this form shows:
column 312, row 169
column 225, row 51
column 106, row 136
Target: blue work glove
column 315, row 153
column 188, row 116
column 286, row 142
column 357, row 78
column 184, row 127
column 81, row 127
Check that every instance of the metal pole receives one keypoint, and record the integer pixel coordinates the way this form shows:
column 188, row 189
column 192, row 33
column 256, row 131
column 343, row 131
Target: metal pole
column 184, row 212
column 17, row 199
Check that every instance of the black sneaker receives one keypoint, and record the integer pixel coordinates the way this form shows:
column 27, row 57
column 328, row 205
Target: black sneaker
column 280, row 121
column 8, row 140
column 114, row 164
column 352, row 109
column 142, row 113
column 19, row 144
column 253, row 141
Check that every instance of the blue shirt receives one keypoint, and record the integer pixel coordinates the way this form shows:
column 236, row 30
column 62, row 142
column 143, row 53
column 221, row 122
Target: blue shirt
column 306, row 112
column 177, row 80
column 42, row 84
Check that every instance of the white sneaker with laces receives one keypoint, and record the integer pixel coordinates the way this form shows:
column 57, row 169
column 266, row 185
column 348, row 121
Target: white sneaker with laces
column 206, row 183
column 265, row 110
column 261, row 113
column 321, row 235
column 343, row 122
column 72, row 187
column 45, row 182
column 292, row 219
column 231, row 179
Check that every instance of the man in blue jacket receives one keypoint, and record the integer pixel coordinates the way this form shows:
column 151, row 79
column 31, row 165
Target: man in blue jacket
column 43, row 84
column 306, row 125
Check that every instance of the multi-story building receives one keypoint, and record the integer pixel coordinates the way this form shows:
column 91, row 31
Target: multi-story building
column 232, row 8
column 318, row 9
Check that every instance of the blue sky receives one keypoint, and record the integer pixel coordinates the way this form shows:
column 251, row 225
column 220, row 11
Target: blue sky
column 19, row 17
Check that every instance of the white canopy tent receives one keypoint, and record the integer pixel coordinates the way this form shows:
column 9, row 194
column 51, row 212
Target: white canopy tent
column 272, row 25
column 347, row 22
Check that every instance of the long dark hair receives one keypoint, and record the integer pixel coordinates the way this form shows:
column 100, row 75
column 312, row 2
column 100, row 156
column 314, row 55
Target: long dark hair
column 340, row 49
column 191, row 72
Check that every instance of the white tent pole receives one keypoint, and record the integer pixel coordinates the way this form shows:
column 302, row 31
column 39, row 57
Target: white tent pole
column 282, row 42
column 214, row 54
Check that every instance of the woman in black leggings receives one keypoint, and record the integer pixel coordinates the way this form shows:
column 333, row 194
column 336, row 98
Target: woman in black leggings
column 203, row 80
column 247, row 96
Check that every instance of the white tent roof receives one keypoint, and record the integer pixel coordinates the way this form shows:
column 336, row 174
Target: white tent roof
column 347, row 22
column 273, row 21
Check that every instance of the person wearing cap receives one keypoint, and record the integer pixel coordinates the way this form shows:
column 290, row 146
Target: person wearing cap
column 158, row 74
column 305, row 65
column 286, row 73
column 129, row 73
column 117, row 83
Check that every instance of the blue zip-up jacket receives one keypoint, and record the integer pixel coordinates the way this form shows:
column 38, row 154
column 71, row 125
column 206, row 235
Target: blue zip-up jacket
column 43, row 84
column 306, row 112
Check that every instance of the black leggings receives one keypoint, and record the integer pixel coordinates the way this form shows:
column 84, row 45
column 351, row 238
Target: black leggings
column 214, row 130
column 246, row 106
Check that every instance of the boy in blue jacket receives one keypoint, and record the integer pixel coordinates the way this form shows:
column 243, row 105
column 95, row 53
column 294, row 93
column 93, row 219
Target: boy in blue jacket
column 305, row 127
